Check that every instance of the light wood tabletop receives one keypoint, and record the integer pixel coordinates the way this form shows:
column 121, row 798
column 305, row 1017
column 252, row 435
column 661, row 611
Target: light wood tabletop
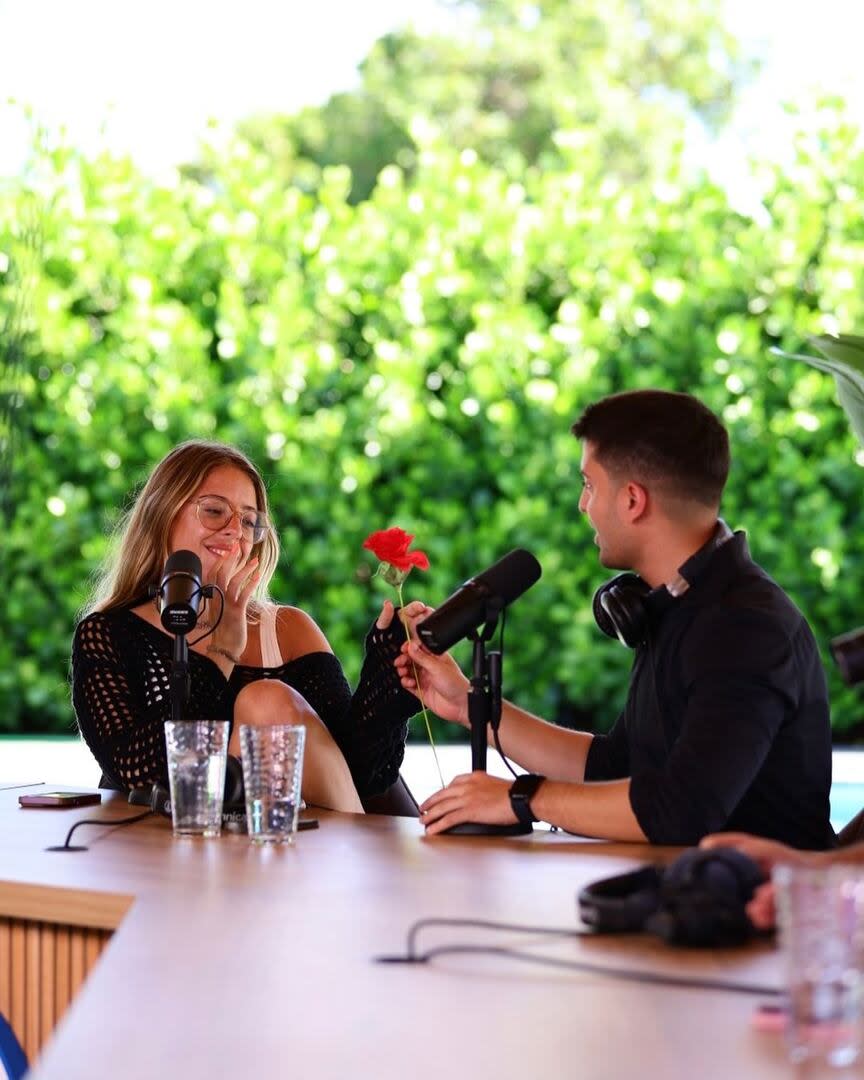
column 228, row 960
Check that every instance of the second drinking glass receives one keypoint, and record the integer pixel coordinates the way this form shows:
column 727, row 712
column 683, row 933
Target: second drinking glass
column 272, row 774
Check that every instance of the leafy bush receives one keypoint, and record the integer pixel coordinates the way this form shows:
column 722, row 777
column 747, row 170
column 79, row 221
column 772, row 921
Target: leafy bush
column 417, row 359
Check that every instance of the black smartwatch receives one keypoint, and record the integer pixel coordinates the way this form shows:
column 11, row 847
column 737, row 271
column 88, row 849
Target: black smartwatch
column 522, row 791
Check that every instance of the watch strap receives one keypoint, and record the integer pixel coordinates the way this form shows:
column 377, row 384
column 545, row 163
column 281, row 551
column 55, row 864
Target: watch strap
column 522, row 790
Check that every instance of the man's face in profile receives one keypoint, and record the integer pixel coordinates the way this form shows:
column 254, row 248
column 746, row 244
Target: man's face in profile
column 599, row 502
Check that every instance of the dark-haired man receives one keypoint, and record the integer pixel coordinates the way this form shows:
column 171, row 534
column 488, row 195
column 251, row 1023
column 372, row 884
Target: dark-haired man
column 726, row 723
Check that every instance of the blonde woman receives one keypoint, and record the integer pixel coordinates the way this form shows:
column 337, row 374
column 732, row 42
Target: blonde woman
column 263, row 663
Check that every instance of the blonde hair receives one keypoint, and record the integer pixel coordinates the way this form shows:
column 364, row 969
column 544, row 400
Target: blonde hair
column 141, row 539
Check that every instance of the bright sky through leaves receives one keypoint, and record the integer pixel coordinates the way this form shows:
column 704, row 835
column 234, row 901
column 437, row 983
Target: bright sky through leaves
column 151, row 75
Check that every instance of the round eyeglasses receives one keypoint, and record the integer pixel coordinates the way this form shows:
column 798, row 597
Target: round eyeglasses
column 214, row 513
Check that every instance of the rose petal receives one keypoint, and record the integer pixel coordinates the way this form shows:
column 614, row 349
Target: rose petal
column 388, row 544
column 419, row 559
column 391, row 546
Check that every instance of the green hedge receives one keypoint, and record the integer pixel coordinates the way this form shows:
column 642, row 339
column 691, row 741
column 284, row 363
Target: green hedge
column 417, row 359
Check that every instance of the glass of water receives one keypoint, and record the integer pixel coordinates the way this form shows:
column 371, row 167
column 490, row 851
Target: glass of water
column 272, row 773
column 197, row 751
column 821, row 919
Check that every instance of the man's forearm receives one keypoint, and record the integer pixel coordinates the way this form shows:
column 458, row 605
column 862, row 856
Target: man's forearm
column 595, row 809
column 542, row 747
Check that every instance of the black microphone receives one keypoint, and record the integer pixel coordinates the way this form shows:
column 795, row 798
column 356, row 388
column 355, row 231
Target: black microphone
column 479, row 599
column 180, row 592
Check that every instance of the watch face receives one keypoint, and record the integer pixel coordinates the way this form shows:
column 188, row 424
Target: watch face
column 524, row 786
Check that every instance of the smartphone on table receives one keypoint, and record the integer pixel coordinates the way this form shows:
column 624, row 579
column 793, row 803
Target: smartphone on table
column 63, row 799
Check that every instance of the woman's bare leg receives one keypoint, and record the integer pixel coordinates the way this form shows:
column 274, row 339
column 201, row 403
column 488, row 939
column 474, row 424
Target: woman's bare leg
column 326, row 778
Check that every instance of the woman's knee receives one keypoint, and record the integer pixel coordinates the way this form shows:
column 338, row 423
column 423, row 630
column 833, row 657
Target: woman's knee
column 268, row 701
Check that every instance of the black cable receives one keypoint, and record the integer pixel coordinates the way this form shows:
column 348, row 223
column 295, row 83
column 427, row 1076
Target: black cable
column 65, row 846
column 488, row 924
column 495, row 737
column 212, row 629
column 626, row 974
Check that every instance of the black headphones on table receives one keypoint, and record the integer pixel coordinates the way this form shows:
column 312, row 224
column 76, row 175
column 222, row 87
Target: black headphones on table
column 700, row 899
column 625, row 607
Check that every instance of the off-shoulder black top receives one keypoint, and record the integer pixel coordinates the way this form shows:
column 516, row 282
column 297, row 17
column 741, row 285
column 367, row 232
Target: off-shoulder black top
column 121, row 668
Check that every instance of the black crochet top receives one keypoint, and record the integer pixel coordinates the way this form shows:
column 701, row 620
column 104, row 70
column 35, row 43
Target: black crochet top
column 121, row 667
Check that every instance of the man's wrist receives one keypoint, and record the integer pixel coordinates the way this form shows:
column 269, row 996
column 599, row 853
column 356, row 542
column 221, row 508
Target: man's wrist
column 521, row 792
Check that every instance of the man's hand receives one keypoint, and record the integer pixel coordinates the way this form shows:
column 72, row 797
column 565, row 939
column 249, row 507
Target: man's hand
column 442, row 685
column 473, row 796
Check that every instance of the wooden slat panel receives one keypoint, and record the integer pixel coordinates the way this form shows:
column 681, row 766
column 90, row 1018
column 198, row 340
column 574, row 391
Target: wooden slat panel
column 76, row 961
column 31, row 1041
column 5, row 967
column 62, row 971
column 47, row 979
column 92, row 948
column 18, row 957
column 41, row 968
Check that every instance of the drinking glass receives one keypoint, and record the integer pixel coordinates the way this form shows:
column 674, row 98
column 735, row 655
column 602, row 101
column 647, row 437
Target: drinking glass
column 272, row 757
column 821, row 919
column 197, row 751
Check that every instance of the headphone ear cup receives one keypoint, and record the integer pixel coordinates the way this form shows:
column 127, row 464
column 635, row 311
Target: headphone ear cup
column 621, row 904
column 619, row 609
column 704, row 896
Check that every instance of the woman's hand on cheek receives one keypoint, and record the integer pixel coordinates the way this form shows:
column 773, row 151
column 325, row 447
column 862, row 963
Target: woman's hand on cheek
column 237, row 579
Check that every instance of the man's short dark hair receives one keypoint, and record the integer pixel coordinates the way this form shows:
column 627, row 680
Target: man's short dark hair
column 665, row 440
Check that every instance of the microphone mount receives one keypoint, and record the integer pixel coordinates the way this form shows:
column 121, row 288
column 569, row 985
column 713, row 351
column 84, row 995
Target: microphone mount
column 484, row 711
column 180, row 681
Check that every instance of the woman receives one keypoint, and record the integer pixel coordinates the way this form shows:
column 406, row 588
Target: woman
column 261, row 664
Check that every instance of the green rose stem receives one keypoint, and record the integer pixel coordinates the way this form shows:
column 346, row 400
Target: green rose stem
column 404, row 622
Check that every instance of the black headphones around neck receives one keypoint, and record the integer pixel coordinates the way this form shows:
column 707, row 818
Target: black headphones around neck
column 620, row 609
column 625, row 606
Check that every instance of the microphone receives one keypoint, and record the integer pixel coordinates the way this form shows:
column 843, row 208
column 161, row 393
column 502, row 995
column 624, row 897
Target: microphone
column 180, row 592
column 479, row 599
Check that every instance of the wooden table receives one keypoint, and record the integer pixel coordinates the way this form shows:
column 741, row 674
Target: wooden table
column 219, row 959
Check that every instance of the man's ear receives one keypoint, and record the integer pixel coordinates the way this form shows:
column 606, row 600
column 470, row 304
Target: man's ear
column 635, row 498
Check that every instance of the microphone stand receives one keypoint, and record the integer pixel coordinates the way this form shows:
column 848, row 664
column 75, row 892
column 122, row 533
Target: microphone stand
column 484, row 710
column 156, row 796
column 180, row 681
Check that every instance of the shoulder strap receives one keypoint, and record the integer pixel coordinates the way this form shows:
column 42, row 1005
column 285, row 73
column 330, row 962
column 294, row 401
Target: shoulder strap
column 271, row 657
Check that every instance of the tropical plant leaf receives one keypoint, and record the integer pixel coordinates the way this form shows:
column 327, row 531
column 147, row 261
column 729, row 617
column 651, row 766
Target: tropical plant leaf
column 845, row 361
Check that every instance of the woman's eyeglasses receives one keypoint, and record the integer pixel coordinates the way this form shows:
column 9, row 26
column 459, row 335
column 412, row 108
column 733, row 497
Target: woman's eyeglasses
column 214, row 513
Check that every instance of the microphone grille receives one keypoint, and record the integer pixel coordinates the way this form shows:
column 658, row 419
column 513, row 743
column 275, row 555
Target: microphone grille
column 183, row 562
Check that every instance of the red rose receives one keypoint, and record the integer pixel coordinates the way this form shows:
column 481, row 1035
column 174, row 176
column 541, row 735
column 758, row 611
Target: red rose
column 391, row 546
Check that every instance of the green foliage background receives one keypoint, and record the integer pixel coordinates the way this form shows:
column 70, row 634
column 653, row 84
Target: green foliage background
column 413, row 351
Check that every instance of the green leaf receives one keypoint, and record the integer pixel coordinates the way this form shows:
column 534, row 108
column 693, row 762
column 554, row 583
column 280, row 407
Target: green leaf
column 845, row 361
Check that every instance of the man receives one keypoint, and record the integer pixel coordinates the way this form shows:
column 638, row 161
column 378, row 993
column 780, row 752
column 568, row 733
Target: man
column 726, row 723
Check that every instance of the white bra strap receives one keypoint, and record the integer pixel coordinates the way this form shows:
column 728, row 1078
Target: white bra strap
column 271, row 657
